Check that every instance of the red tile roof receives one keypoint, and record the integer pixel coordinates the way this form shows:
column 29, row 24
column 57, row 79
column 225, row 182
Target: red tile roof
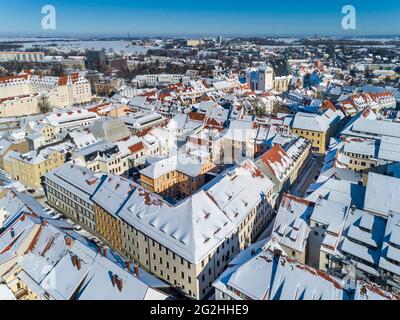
column 197, row 116
column 12, row 78
column 136, row 147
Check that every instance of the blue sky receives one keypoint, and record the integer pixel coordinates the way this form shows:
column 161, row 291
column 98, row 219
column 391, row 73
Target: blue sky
column 200, row 17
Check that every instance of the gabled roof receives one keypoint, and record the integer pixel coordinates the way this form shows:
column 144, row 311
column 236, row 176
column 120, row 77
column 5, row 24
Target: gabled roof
column 390, row 254
column 59, row 266
column 192, row 229
column 196, row 226
column 291, row 227
column 337, row 190
column 240, row 130
column 277, row 160
column 316, row 122
column 239, row 190
column 267, row 276
column 383, row 194
column 363, row 235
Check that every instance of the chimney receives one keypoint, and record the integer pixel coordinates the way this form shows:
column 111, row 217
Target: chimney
column 74, row 258
column 277, row 252
column 78, row 263
column 128, row 266
column 68, row 241
column 119, row 284
column 105, row 252
column 100, row 251
column 136, row 270
column 114, row 279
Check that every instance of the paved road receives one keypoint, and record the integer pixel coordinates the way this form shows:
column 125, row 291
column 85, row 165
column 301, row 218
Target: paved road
column 308, row 176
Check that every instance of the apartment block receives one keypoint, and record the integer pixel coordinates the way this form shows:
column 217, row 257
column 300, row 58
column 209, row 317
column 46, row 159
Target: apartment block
column 29, row 168
column 176, row 177
column 187, row 245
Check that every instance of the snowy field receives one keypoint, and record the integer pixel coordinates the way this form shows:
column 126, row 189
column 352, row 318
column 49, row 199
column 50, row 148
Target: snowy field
column 66, row 44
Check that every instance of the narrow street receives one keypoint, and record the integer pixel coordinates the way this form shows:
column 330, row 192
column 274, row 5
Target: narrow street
column 267, row 231
column 299, row 189
column 308, row 176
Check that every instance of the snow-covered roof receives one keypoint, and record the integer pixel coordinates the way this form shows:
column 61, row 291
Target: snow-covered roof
column 316, row 122
column 183, row 122
column 6, row 293
column 240, row 130
column 41, row 155
column 13, row 203
column 330, row 213
column 82, row 138
column 267, row 276
column 367, row 147
column 370, row 291
column 192, row 230
column 278, row 162
column 390, row 254
column 69, row 117
column 181, row 162
column 110, row 129
column 56, row 265
column 362, row 236
column 389, row 149
column 237, row 191
column 196, row 226
column 340, row 191
column 4, row 145
column 382, row 194
column 76, row 179
column 377, row 127
column 291, row 227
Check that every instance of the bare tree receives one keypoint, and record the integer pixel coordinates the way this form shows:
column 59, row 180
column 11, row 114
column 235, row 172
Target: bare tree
column 44, row 104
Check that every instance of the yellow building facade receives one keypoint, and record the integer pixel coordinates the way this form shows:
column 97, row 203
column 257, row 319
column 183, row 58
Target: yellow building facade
column 176, row 184
column 108, row 227
column 29, row 171
column 319, row 140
